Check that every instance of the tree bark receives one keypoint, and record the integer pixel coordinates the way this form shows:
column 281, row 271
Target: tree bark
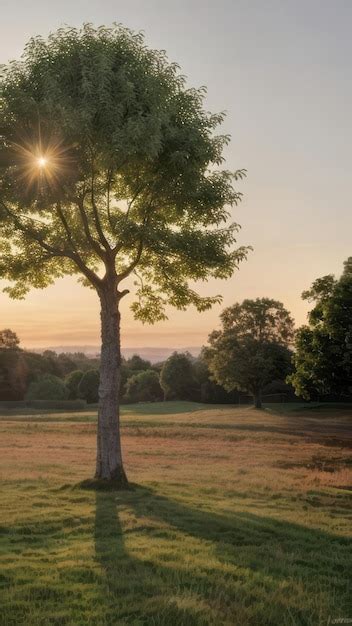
column 109, row 457
column 258, row 399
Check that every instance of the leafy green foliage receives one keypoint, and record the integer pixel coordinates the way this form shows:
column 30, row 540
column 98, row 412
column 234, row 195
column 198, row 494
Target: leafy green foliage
column 263, row 319
column 72, row 382
column 251, row 350
column 323, row 356
column 88, row 388
column 47, row 387
column 176, row 377
column 144, row 387
column 136, row 364
column 19, row 368
column 206, row 389
column 8, row 339
column 13, row 374
column 132, row 176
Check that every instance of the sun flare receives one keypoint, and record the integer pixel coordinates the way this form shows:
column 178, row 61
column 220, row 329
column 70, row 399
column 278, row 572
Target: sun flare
column 42, row 161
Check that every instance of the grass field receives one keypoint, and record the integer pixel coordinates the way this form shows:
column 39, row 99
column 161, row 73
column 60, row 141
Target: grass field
column 236, row 517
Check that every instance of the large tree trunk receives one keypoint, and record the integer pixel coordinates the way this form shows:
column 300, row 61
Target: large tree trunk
column 109, row 458
column 258, row 399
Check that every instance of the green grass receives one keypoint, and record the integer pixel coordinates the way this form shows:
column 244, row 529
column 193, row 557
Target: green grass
column 156, row 408
column 236, row 517
column 163, row 408
column 90, row 414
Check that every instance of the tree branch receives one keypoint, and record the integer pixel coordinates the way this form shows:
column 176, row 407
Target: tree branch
column 134, row 198
column 132, row 265
column 98, row 226
column 95, row 245
column 32, row 234
column 108, row 184
column 64, row 222
column 92, row 276
column 54, row 252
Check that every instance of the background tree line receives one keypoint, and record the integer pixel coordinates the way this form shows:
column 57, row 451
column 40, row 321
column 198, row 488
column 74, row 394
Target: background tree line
column 56, row 377
column 255, row 352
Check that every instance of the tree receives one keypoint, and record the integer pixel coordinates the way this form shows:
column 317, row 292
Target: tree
column 251, row 350
column 8, row 339
column 323, row 356
column 207, row 390
column 47, row 387
column 88, row 388
column 72, row 382
column 13, row 374
column 50, row 354
column 65, row 364
column 110, row 165
column 39, row 365
column 136, row 364
column 176, row 377
column 144, row 387
column 83, row 362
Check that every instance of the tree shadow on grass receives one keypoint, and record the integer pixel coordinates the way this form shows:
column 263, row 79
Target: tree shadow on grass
column 259, row 570
column 137, row 590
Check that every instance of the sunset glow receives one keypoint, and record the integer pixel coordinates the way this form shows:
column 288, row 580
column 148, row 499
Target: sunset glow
column 298, row 225
column 42, row 162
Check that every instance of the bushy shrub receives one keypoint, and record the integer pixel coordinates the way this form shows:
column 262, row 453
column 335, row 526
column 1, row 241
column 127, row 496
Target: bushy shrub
column 72, row 383
column 47, row 387
column 13, row 374
column 88, row 388
column 176, row 377
column 144, row 387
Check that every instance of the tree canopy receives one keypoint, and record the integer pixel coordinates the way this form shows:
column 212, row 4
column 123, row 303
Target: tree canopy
column 323, row 356
column 136, row 364
column 106, row 155
column 251, row 349
column 88, row 386
column 8, row 339
column 144, row 386
column 48, row 387
column 176, row 377
column 72, row 382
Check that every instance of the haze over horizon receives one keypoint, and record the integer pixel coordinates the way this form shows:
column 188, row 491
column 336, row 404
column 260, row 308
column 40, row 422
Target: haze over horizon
column 280, row 71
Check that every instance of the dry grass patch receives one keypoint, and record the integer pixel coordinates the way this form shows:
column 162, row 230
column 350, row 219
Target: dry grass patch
column 237, row 517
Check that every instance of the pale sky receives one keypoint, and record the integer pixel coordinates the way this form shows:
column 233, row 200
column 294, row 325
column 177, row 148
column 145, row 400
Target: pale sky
column 282, row 71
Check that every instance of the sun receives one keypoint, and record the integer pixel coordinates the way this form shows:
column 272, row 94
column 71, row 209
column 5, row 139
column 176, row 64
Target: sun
column 42, row 161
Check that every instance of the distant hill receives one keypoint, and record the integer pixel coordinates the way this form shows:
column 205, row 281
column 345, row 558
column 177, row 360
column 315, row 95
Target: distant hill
column 153, row 354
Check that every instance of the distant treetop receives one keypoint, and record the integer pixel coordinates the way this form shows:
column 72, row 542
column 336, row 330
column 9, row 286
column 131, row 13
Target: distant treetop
column 8, row 339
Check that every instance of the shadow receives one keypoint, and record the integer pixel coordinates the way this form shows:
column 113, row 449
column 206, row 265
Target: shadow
column 286, row 573
column 137, row 591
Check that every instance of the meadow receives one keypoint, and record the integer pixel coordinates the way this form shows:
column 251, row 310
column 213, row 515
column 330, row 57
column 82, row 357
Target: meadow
column 235, row 517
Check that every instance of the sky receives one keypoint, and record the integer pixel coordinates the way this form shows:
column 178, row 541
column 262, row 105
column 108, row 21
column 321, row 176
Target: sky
column 281, row 69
